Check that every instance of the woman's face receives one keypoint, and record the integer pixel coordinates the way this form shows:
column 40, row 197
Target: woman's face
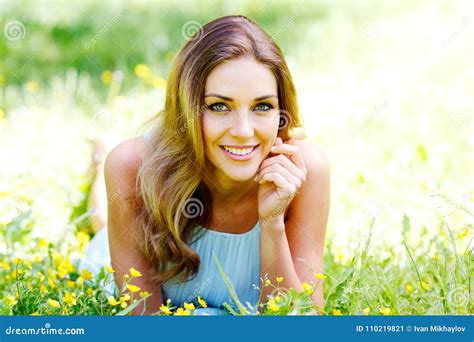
column 240, row 121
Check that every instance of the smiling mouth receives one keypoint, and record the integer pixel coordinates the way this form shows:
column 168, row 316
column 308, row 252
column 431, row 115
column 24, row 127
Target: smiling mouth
column 239, row 151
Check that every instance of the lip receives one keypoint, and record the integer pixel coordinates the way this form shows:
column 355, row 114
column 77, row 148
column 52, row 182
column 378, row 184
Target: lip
column 240, row 158
column 241, row 146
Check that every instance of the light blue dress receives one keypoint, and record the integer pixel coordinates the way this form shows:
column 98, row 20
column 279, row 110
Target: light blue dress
column 238, row 254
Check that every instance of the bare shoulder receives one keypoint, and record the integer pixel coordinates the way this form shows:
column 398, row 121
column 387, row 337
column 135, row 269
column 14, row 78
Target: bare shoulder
column 122, row 163
column 314, row 158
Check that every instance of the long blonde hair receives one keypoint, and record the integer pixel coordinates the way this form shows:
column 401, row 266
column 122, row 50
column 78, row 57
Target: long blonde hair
column 171, row 196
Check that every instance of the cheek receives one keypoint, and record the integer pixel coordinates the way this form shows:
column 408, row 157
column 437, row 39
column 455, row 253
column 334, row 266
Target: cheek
column 211, row 133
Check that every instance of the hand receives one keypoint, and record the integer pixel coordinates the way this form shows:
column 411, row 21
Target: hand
column 279, row 178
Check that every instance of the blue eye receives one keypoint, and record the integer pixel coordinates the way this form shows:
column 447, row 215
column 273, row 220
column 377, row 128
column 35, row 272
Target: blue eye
column 218, row 107
column 263, row 107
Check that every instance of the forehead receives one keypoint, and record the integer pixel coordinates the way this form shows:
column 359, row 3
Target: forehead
column 241, row 77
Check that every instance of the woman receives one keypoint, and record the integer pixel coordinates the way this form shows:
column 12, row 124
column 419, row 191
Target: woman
column 219, row 175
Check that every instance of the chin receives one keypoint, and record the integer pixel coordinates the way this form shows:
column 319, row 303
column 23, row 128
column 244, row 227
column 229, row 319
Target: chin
column 239, row 177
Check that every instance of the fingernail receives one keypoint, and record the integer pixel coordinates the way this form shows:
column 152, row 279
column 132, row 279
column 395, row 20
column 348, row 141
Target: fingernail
column 273, row 148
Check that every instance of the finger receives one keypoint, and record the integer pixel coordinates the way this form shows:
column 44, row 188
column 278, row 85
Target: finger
column 279, row 181
column 293, row 152
column 282, row 171
column 285, row 163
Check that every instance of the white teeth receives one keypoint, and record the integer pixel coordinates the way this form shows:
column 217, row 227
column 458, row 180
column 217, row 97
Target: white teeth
column 238, row 151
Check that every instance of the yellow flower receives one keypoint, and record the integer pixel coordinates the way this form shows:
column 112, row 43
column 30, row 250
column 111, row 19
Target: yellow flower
column 79, row 281
column 133, row 288
column 159, row 82
column 366, row 311
column 16, row 273
column 426, row 286
column 90, row 292
column 51, row 283
column 109, row 269
column 112, row 301
column 36, row 313
column 279, row 279
column 463, row 234
column 53, row 303
column 57, row 258
column 40, row 276
column 144, row 294
column 10, row 300
column 17, row 261
column 123, row 300
column 52, row 274
column 106, row 77
column 134, row 272
column 385, row 311
column 267, row 282
column 202, row 302
column 182, row 312
column 86, row 275
column 272, row 306
column 278, row 299
column 70, row 283
column 336, row 312
column 142, row 71
column 43, row 288
column 42, row 243
column 62, row 272
column 308, row 288
column 70, row 298
column 32, row 86
column 82, row 241
column 320, row 276
column 5, row 265
column 165, row 309
column 189, row 306
column 409, row 288
column 28, row 264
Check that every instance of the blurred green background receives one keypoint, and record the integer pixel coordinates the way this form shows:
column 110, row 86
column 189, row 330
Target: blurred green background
column 385, row 88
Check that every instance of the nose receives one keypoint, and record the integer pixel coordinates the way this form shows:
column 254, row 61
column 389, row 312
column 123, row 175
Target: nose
column 242, row 126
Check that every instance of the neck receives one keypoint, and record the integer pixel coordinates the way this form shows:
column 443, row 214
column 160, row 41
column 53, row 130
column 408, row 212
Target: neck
column 230, row 192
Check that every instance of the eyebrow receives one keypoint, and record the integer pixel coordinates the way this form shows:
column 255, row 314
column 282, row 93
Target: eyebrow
column 231, row 100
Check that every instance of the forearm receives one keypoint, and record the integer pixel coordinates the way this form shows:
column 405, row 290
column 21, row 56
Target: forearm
column 276, row 260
